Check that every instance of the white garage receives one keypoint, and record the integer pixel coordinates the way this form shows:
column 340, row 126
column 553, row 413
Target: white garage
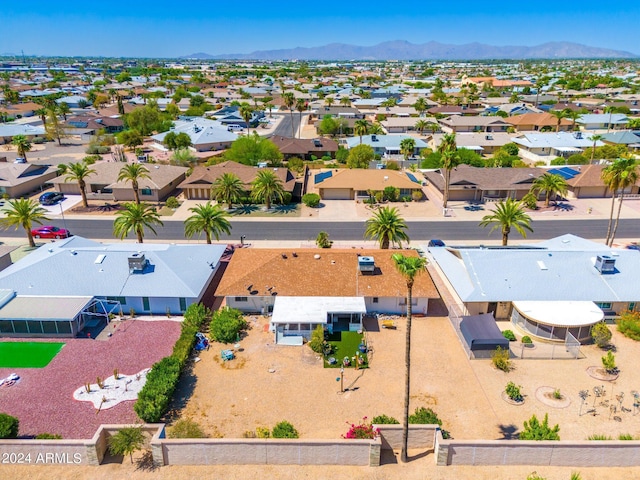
column 336, row 193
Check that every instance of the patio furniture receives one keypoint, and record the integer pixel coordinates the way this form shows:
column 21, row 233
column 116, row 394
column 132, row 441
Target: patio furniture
column 227, row 355
column 388, row 324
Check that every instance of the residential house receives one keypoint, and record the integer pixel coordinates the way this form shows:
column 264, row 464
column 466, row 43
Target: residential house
column 603, row 121
column 629, row 139
column 198, row 185
column 459, row 123
column 333, row 288
column 99, row 280
column 534, row 122
column 206, row 135
column 547, row 146
column 351, row 184
column 474, row 184
column 534, row 286
column 512, row 109
column 162, row 182
column 404, row 124
column 74, row 101
column 19, row 179
column 585, row 181
column 386, row 146
column 10, row 130
column 18, row 110
column 92, row 124
column 305, row 148
column 481, row 143
column 449, row 110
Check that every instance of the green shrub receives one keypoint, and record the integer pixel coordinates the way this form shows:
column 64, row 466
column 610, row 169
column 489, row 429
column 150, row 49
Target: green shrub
column 625, row 436
column 557, row 394
column 416, row 195
column 317, row 339
column 186, row 428
column 226, row 325
column 391, row 193
column 527, row 340
column 535, row 476
column 295, row 164
column 311, row 199
column 513, row 392
column 97, row 150
column 286, row 198
column 509, row 335
column 501, row 359
column 629, row 325
column 322, row 240
column 126, row 441
column 172, row 202
column 601, row 334
column 534, row 430
column 599, row 437
column 48, row 436
column 284, row 430
column 424, row 416
column 263, row 432
column 609, row 362
column 384, row 420
column 39, row 140
column 9, row 426
column 391, row 165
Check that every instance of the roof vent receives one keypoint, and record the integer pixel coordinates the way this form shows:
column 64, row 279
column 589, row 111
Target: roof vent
column 374, row 138
column 366, row 265
column 137, row 262
column 605, row 264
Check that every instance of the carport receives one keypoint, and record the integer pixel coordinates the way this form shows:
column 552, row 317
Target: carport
column 482, row 335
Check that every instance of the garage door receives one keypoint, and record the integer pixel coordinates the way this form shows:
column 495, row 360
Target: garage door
column 337, row 194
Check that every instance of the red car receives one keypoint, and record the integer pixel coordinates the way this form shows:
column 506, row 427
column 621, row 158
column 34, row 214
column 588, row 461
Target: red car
column 49, row 231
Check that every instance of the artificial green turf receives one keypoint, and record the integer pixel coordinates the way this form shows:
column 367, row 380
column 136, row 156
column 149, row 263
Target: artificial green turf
column 28, row 354
column 345, row 344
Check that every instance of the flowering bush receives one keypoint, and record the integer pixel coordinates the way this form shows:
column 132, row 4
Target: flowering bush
column 364, row 430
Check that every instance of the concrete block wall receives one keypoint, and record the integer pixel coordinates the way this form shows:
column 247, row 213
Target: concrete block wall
column 420, row 436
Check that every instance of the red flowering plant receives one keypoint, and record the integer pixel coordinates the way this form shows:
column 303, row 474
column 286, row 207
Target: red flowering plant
column 364, row 430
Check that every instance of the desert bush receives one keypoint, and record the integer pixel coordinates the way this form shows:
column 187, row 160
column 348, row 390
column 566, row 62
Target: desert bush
column 364, row 430
column 384, row 420
column 416, row 195
column 530, row 201
column 527, row 340
column 629, row 325
column 284, row 430
column 501, row 359
column 601, row 334
column 322, row 240
column 172, row 202
column 9, row 426
column 263, row 432
column 424, row 416
column 286, row 198
column 186, row 428
column 126, row 441
column 513, row 392
column 557, row 394
column 625, row 436
column 226, row 325
column 311, row 199
column 48, row 436
column 391, row 165
column 599, row 437
column 391, row 193
column 534, row 430
column 609, row 362
column 317, row 339
column 509, row 335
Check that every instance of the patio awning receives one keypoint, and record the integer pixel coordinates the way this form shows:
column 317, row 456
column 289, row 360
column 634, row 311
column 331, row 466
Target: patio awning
column 313, row 309
column 567, row 149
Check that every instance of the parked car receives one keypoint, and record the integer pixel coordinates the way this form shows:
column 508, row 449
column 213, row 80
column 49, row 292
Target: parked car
column 434, row 242
column 51, row 198
column 49, row 231
column 20, row 160
column 633, row 246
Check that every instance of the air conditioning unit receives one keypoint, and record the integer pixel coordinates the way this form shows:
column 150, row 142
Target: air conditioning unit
column 605, row 264
column 137, row 263
column 366, row 265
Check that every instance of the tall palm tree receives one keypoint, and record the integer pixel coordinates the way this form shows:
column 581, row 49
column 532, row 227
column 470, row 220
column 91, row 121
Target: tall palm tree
column 619, row 175
column 409, row 268
column 132, row 172
column 77, row 172
column 407, row 146
column 573, row 115
column 594, row 138
column 448, row 150
column 507, row 215
column 23, row 212
column 550, row 184
column 420, row 105
column 345, row 101
column 267, row 186
column 227, row 188
column 207, row 218
column 136, row 217
column 421, row 125
column 289, row 99
column 246, row 112
column 360, row 128
column 22, row 144
column 42, row 113
column 301, row 106
column 328, row 101
column 64, row 110
column 387, row 227
column 559, row 114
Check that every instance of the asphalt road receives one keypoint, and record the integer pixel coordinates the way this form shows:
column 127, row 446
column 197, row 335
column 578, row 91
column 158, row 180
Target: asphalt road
column 284, row 127
column 354, row 231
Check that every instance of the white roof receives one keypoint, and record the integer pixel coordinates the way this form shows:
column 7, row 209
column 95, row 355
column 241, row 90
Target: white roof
column 561, row 314
column 314, row 309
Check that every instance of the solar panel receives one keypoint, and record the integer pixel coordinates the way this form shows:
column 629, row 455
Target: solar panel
column 412, row 178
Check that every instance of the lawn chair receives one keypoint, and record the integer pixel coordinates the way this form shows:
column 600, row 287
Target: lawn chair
column 226, row 355
column 388, row 323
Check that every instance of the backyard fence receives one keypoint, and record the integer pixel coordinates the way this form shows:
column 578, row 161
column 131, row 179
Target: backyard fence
column 568, row 350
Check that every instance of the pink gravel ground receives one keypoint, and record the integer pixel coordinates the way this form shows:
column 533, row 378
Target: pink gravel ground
column 43, row 398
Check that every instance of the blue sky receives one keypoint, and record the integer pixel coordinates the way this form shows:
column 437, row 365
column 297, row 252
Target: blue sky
column 168, row 29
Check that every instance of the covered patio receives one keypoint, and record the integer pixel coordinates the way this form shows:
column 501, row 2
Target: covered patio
column 294, row 318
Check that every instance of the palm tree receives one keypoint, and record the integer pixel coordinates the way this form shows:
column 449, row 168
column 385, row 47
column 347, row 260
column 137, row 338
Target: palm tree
column 227, row 188
column 573, row 115
column 421, row 125
column 133, row 172
column 64, row 110
column 551, row 184
column 77, row 172
column 267, row 186
column 507, row 215
column 328, row 101
column 448, row 150
column 360, row 128
column 618, row 176
column 409, row 268
column 387, row 227
column 594, row 138
column 42, row 113
column 407, row 146
column 210, row 219
column 136, row 217
column 23, row 212
column 22, row 144
column 559, row 114
column 420, row 105
column 289, row 99
column 301, row 106
column 345, row 101
column 246, row 112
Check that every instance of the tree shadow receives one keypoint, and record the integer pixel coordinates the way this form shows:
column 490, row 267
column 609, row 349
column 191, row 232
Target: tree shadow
column 245, row 210
column 182, row 395
column 284, row 209
column 145, row 462
column 508, row 432
column 563, row 206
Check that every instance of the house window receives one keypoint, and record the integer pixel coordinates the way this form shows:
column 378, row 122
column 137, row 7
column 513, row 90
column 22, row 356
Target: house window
column 145, row 304
column 240, row 299
column 375, row 299
column 145, row 191
column 414, row 301
column 632, row 306
column 183, row 304
column 604, row 305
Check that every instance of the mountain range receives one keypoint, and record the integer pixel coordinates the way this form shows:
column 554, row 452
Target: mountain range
column 403, row 50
